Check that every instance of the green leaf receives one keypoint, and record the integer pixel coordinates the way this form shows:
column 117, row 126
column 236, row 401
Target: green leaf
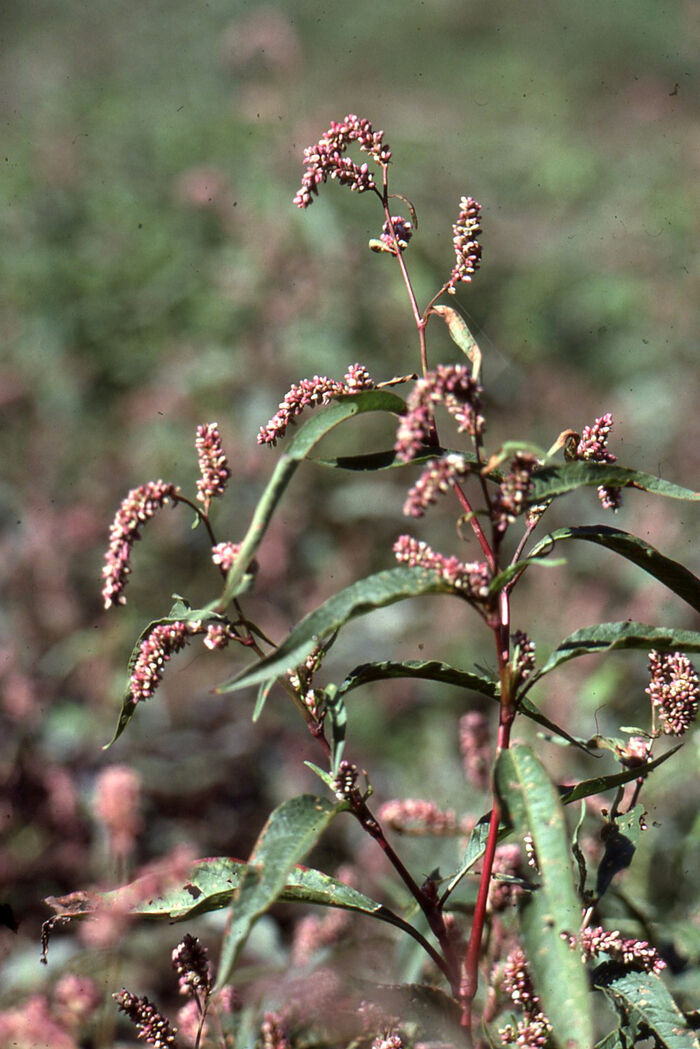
column 307, row 437
column 671, row 573
column 180, row 612
column 504, row 577
column 647, row 1007
column 552, row 481
column 476, row 846
column 339, row 721
column 434, row 670
column 604, row 637
column 263, row 693
column 291, row 830
column 599, row 784
column 551, row 912
column 388, row 460
column 376, row 591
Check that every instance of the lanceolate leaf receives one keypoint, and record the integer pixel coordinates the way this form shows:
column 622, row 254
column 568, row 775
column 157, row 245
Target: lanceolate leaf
column 504, row 577
column 433, row 670
column 551, row 481
column 387, row 460
column 606, row 636
column 358, row 599
column 307, row 437
column 551, row 912
column 647, row 1007
column 292, row 829
column 672, row 574
column 587, row 787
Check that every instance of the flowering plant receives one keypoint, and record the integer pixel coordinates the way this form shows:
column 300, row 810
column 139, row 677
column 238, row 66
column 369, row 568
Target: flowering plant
column 514, row 939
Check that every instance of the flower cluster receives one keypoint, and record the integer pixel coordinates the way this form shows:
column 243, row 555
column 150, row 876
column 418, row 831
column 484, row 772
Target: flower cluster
column 472, row 579
column 191, row 964
column 593, row 447
column 510, row 499
column 475, row 748
column 438, row 476
column 637, row 954
column 224, row 555
column 163, row 642
column 532, row 1031
column 327, row 158
column 309, row 393
column 139, row 506
column 467, row 248
column 403, row 230
column 524, row 653
column 417, row 817
column 502, row 893
column 152, row 1026
column 451, row 385
column 214, row 470
column 273, row 1033
column 674, row 690
column 346, row 781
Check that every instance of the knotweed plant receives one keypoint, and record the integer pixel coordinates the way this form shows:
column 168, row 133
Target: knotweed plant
column 515, row 936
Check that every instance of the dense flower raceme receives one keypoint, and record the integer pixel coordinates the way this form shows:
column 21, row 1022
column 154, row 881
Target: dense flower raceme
column 674, row 690
column 511, row 497
column 309, row 393
column 152, row 1025
column 417, row 817
column 139, row 506
column 163, row 642
column 467, row 248
column 327, row 158
column 403, row 230
column 191, row 963
column 451, row 385
column 214, row 470
column 593, row 447
column 471, row 579
column 438, row 476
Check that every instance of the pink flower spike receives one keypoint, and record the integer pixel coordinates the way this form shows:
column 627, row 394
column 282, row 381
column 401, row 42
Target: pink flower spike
column 437, row 477
column 138, row 507
column 593, row 447
column 224, row 555
column 470, row 579
column 467, row 247
column 674, row 690
column 326, row 158
column 214, row 471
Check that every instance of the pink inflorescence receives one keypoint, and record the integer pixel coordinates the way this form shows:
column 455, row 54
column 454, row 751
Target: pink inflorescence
column 472, row 579
column 139, row 506
column 451, row 385
column 438, row 476
column 475, row 748
column 403, row 230
column 326, row 158
column 674, row 690
column 309, row 393
column 593, row 447
column 467, row 248
column 417, row 817
column 637, row 954
column 524, row 650
column 214, row 470
column 191, row 963
column 532, row 1031
column 163, row 642
column 224, row 555
column 152, row 1026
column 511, row 498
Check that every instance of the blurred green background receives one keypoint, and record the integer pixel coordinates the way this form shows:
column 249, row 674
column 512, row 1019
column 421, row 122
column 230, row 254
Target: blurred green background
column 154, row 274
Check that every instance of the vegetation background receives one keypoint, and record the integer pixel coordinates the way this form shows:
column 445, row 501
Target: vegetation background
column 154, row 274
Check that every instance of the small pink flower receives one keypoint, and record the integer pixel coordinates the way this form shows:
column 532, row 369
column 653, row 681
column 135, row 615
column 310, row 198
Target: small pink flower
column 152, row 1026
column 472, row 579
column 674, row 690
column 403, row 230
column 326, row 158
column 593, row 447
column 467, row 247
column 163, row 642
column 510, row 499
column 138, row 507
column 224, row 555
column 117, row 806
column 214, row 471
column 451, row 385
column 417, row 817
column 438, row 476
column 636, row 954
column 475, row 748
column 310, row 393
column 190, row 960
